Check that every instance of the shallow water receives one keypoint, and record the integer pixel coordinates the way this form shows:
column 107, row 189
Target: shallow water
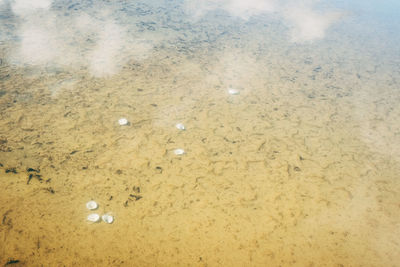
column 299, row 169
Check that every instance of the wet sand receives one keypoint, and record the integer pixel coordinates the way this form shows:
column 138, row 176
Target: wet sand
column 299, row 169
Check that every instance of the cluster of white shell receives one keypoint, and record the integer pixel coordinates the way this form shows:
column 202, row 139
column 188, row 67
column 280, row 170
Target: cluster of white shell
column 108, row 218
column 94, row 217
column 179, row 126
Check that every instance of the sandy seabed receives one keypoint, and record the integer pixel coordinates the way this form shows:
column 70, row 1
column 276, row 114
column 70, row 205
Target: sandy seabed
column 299, row 169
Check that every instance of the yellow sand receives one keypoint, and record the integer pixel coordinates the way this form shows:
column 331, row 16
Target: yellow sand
column 290, row 172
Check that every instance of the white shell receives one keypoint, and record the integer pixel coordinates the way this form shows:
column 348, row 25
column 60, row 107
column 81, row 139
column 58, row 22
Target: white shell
column 180, row 126
column 91, row 205
column 233, row 91
column 94, row 217
column 107, row 218
column 179, row 151
column 123, row 121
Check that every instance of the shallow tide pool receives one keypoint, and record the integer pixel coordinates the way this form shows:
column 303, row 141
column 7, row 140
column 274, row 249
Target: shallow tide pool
column 289, row 154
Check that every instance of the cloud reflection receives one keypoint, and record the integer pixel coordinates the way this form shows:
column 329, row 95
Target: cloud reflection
column 305, row 21
column 104, row 59
column 95, row 38
column 308, row 24
column 23, row 7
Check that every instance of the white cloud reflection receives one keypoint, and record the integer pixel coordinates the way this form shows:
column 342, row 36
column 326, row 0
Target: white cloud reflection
column 305, row 21
column 105, row 59
column 239, row 8
column 23, row 7
column 97, row 40
column 308, row 24
column 98, row 43
column 37, row 45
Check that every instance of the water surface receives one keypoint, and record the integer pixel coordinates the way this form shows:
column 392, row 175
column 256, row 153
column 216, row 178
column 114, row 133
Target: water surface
column 299, row 169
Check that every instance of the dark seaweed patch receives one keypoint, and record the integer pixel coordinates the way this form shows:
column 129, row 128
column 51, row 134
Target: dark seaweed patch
column 133, row 197
column 51, row 190
column 31, row 176
column 136, row 197
column 11, row 261
column 32, row 170
column 136, row 189
column 12, row 170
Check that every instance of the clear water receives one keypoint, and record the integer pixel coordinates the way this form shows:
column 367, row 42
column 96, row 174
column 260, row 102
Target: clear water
column 298, row 169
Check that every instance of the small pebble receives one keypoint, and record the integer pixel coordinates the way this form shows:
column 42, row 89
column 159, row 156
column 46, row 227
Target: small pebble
column 107, row 218
column 180, row 126
column 94, row 217
column 91, row 205
column 123, row 121
column 179, row 151
column 233, row 91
